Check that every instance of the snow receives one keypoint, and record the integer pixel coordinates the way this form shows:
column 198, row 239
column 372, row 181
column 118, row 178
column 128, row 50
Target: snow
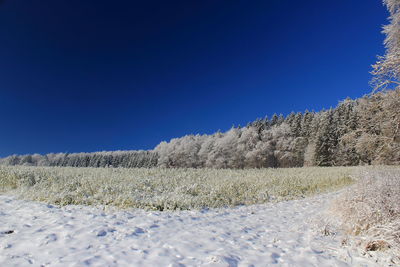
column 275, row 234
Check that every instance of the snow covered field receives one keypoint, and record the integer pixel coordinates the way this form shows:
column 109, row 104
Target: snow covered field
column 275, row 234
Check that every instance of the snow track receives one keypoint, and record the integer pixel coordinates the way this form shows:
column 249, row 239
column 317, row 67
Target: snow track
column 280, row 234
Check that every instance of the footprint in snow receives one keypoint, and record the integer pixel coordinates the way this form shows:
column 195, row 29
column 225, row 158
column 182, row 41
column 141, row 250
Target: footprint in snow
column 50, row 239
column 137, row 231
column 7, row 232
column 104, row 232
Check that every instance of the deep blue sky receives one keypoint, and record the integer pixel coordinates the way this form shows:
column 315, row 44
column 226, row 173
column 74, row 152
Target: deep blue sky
column 98, row 75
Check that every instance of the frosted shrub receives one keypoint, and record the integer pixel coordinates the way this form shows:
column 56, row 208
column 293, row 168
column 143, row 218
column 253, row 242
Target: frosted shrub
column 371, row 208
column 161, row 189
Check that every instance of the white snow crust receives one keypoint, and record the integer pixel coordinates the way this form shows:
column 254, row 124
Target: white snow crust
column 274, row 234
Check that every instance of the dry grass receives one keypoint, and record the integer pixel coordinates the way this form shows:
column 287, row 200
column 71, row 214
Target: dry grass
column 371, row 208
column 162, row 189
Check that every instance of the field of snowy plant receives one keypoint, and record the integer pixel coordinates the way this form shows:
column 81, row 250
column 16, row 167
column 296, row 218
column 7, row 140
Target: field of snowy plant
column 169, row 189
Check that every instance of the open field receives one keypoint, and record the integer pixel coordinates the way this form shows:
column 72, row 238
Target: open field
column 169, row 189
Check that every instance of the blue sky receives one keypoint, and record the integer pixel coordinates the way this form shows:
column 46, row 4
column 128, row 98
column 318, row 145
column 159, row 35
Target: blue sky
column 81, row 76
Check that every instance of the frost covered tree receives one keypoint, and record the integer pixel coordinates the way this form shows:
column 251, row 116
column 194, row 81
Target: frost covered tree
column 384, row 107
column 126, row 159
column 378, row 139
column 387, row 70
column 326, row 140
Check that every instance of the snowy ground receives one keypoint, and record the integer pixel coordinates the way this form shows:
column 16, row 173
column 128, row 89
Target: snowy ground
column 280, row 234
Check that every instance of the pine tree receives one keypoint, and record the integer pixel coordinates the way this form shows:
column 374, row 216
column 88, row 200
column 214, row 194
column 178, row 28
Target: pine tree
column 326, row 140
column 281, row 119
column 274, row 120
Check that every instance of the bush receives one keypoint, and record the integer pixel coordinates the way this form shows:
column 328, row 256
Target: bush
column 371, row 208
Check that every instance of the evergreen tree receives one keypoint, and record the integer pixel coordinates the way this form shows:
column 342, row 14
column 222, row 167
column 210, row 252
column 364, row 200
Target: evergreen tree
column 326, row 140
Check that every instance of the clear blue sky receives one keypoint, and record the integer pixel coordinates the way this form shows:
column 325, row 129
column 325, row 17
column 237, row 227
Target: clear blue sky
column 81, row 76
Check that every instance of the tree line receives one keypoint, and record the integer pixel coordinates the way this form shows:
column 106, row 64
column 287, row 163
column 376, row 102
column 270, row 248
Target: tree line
column 125, row 159
column 357, row 132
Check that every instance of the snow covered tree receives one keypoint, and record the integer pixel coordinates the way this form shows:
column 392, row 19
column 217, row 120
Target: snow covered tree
column 387, row 70
column 326, row 140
